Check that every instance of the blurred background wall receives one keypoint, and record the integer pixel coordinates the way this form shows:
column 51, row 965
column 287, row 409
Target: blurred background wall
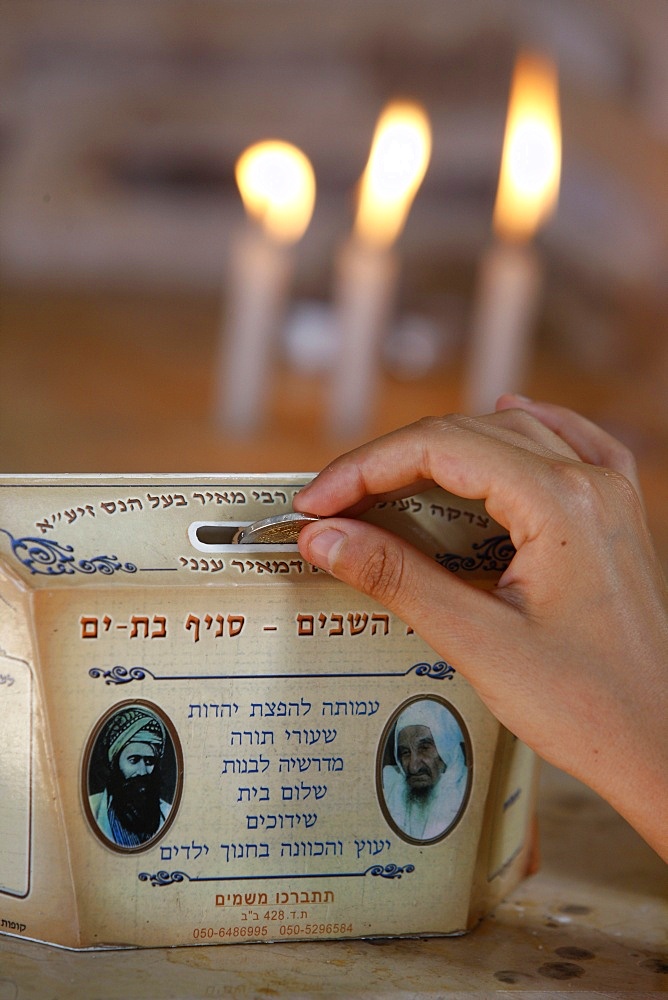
column 120, row 124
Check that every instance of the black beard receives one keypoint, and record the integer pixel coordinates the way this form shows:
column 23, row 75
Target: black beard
column 136, row 801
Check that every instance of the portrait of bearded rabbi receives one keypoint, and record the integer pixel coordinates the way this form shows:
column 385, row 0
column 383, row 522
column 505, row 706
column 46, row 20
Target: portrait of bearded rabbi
column 129, row 811
column 425, row 790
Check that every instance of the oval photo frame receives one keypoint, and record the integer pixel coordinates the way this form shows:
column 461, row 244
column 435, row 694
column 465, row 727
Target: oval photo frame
column 425, row 805
column 123, row 732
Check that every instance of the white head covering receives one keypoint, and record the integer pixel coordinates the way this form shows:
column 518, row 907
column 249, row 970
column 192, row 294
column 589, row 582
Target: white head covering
column 444, row 728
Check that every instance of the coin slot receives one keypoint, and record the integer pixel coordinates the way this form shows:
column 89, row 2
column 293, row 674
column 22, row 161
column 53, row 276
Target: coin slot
column 215, row 536
column 218, row 536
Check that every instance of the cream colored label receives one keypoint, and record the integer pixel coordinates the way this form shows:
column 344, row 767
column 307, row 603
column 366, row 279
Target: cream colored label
column 285, row 811
column 15, row 776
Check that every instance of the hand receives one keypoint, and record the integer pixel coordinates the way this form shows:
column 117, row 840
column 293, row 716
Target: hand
column 570, row 650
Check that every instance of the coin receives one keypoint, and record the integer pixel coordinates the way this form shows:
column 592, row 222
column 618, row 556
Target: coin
column 279, row 530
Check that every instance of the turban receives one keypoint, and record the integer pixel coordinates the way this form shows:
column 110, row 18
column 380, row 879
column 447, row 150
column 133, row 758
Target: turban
column 134, row 725
column 444, row 728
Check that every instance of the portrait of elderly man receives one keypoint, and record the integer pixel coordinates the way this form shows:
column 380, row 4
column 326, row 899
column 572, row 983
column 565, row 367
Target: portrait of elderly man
column 424, row 790
column 129, row 810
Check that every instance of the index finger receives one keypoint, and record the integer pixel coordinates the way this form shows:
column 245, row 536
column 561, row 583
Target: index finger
column 465, row 455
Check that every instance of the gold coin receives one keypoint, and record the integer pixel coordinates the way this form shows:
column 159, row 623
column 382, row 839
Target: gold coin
column 279, row 530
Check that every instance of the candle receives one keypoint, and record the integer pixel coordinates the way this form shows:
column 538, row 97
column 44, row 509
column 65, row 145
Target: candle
column 510, row 276
column 277, row 187
column 367, row 266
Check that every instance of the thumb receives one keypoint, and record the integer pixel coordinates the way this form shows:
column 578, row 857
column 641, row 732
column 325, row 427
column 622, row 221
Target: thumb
column 458, row 620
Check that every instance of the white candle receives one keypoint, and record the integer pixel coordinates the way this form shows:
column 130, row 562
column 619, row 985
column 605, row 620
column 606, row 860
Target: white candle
column 367, row 267
column 256, row 297
column 364, row 297
column 509, row 285
column 510, row 276
column 277, row 186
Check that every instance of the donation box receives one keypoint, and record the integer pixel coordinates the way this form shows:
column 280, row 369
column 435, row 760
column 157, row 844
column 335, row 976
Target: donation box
column 204, row 741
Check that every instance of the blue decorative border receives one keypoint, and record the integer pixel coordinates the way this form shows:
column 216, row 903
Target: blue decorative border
column 46, row 557
column 123, row 675
column 163, row 878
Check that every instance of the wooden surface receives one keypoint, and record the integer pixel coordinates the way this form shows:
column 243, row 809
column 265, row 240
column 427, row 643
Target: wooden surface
column 123, row 384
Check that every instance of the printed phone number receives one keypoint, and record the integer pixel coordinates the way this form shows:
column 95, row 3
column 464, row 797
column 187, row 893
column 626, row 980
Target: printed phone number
column 262, row 930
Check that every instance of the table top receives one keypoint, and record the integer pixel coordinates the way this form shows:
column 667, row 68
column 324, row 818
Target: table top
column 592, row 921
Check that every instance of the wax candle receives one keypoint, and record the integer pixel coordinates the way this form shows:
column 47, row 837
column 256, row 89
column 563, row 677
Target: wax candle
column 367, row 266
column 510, row 275
column 277, row 186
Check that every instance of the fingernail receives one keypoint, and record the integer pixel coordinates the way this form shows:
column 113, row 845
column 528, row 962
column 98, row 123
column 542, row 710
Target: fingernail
column 323, row 547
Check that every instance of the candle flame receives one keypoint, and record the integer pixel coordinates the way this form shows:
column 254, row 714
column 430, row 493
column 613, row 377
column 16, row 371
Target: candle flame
column 531, row 160
column 397, row 163
column 277, row 186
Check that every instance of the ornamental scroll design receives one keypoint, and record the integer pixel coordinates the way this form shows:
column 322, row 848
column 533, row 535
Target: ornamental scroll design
column 390, row 871
column 491, row 555
column 46, row 557
column 120, row 675
column 440, row 671
column 163, row 878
